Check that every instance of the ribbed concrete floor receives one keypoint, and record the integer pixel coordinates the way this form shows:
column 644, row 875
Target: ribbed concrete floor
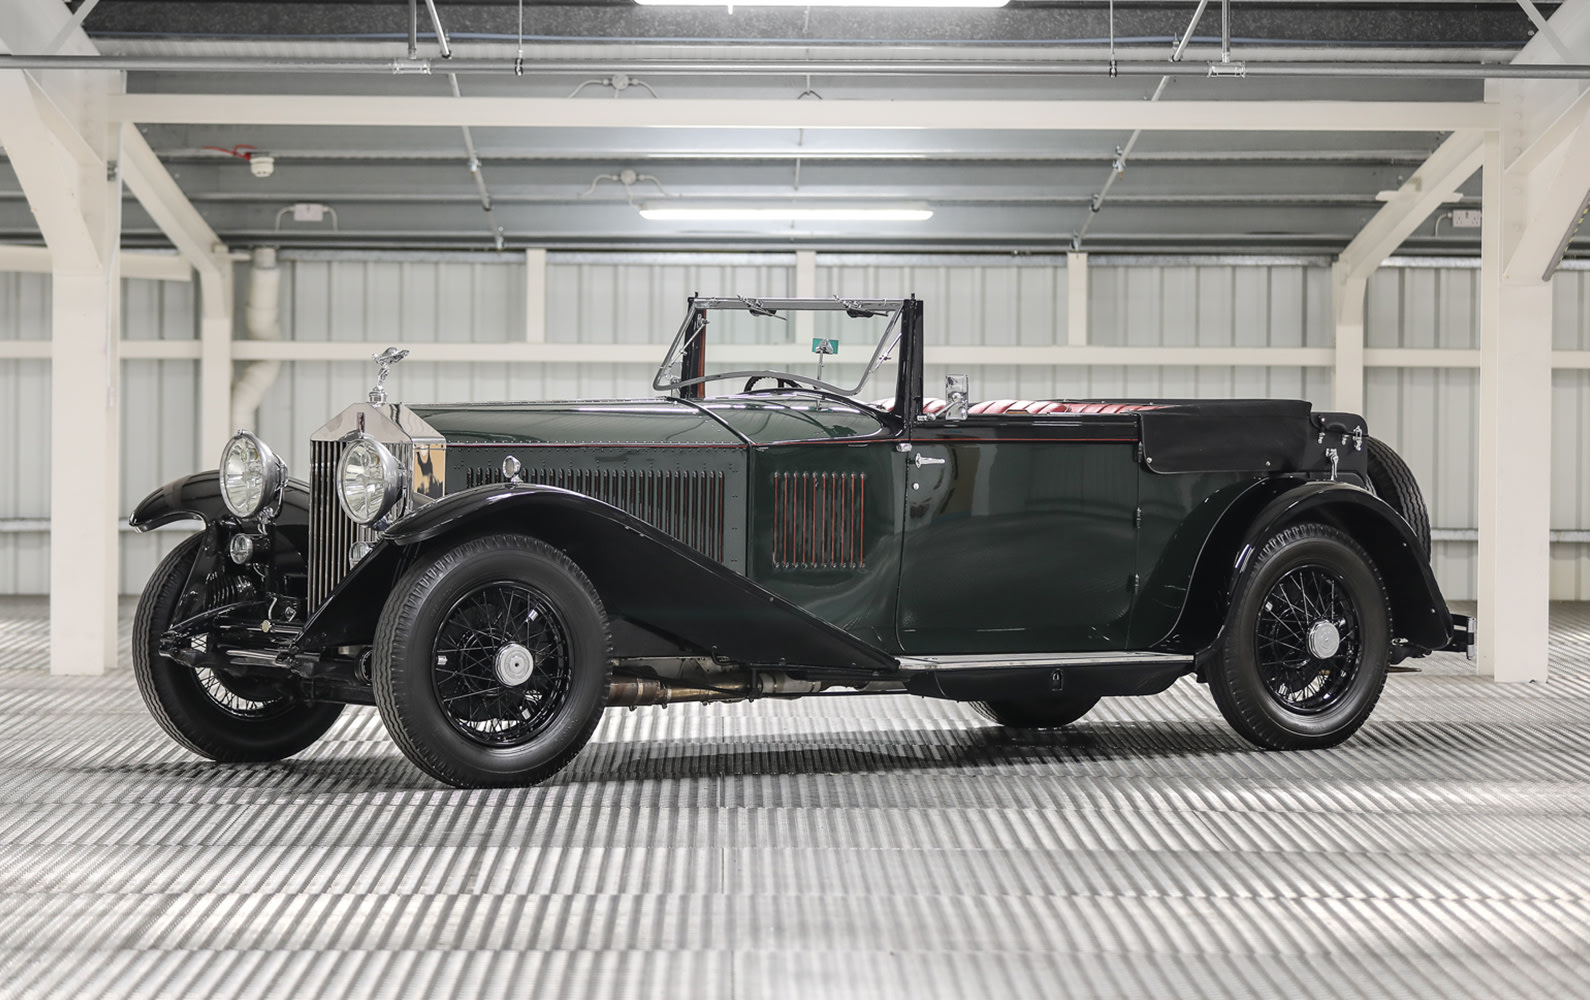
column 842, row 848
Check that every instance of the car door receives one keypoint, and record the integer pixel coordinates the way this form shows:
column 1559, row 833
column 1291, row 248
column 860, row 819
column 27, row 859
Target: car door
column 1019, row 535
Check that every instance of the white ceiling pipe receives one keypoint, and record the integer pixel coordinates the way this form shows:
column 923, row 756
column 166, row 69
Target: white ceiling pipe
column 264, row 323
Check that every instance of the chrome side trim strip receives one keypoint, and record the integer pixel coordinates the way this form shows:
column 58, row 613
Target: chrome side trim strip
column 1008, row 661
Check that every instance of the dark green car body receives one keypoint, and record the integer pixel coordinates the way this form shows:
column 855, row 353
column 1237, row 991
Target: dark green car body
column 793, row 539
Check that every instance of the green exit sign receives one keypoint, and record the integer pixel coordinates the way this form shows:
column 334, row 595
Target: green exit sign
column 821, row 346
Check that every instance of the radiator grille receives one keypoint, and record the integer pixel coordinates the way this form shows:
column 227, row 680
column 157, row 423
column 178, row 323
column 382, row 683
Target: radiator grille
column 818, row 519
column 331, row 532
column 685, row 504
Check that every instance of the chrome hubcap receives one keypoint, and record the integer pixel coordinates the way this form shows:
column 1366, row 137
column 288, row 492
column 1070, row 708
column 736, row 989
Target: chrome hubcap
column 514, row 665
column 1324, row 639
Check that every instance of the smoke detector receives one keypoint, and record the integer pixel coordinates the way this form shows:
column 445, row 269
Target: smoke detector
column 261, row 164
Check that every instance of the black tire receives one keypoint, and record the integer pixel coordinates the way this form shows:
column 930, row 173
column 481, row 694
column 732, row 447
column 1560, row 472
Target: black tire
column 1044, row 712
column 468, row 724
column 1393, row 482
column 216, row 714
column 1280, row 684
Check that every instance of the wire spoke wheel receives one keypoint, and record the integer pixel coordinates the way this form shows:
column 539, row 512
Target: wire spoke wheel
column 243, row 698
column 502, row 665
column 491, row 662
column 1307, row 640
column 223, row 713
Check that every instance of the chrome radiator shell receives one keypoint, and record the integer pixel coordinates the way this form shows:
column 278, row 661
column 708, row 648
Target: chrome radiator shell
column 422, row 460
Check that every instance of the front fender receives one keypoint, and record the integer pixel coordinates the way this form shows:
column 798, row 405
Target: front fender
column 642, row 574
column 199, row 497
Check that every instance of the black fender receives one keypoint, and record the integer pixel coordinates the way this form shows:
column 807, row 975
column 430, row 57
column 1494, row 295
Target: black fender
column 1418, row 610
column 642, row 574
column 199, row 497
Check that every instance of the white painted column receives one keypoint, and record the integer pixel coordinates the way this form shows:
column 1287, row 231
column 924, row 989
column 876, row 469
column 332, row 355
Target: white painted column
column 215, row 359
column 84, row 471
column 535, row 296
column 1347, row 369
column 85, row 452
column 1515, row 441
column 805, row 288
column 1076, row 299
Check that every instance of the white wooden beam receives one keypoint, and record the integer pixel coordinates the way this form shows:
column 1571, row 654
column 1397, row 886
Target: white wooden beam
column 1552, row 136
column 160, row 196
column 1515, row 443
column 1554, row 214
column 134, row 264
column 535, row 296
column 1077, row 299
column 1058, row 354
column 1347, row 367
column 1025, row 116
column 49, row 173
column 1425, row 190
column 1436, row 180
column 156, row 190
column 805, row 288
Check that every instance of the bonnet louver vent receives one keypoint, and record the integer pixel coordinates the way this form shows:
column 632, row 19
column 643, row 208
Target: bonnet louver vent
column 818, row 519
column 685, row 504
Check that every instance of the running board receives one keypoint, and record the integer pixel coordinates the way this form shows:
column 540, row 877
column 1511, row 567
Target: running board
column 1004, row 661
column 1026, row 675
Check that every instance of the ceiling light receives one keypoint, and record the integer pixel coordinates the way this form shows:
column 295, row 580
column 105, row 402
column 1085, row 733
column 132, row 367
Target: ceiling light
column 822, row 3
column 788, row 213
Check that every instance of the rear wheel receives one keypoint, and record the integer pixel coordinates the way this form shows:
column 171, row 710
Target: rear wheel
column 221, row 714
column 1043, row 712
column 1303, row 657
column 491, row 662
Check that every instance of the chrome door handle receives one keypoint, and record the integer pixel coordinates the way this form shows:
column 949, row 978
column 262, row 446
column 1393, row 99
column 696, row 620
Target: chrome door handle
column 920, row 460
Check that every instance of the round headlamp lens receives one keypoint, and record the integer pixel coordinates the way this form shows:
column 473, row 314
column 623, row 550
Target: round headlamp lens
column 367, row 480
column 247, row 471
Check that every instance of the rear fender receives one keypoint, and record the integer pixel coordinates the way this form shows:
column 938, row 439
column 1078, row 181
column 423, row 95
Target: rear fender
column 1418, row 611
column 642, row 575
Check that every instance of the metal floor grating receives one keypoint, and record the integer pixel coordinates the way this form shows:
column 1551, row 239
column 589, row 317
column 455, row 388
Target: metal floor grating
column 882, row 847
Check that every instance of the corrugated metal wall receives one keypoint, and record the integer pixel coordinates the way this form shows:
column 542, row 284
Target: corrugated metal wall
column 24, row 434
column 159, row 407
column 1430, row 415
column 1570, row 437
column 1427, row 414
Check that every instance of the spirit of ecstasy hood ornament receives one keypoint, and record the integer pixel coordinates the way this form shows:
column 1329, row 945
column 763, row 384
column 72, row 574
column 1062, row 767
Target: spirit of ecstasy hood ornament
column 386, row 359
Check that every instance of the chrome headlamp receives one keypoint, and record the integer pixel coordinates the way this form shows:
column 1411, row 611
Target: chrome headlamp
column 251, row 475
column 369, row 480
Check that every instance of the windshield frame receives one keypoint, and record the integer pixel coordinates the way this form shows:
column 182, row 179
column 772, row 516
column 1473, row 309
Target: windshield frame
column 668, row 377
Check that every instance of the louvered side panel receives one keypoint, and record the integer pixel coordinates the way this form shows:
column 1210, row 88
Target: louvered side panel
column 818, row 519
column 685, row 504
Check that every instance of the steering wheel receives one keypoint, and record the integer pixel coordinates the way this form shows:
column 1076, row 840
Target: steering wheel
column 782, row 382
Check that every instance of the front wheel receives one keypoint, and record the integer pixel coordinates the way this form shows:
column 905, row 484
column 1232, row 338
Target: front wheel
column 491, row 662
column 1303, row 657
column 222, row 714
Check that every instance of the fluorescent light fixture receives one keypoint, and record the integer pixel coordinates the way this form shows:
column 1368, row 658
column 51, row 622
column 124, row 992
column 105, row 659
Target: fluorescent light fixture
column 822, row 3
column 789, row 213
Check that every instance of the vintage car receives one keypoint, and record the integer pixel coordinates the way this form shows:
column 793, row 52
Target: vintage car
column 493, row 576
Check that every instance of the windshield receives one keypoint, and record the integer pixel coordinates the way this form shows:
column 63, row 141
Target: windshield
column 841, row 346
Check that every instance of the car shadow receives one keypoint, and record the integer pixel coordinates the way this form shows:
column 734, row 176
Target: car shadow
column 936, row 750
column 336, row 767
